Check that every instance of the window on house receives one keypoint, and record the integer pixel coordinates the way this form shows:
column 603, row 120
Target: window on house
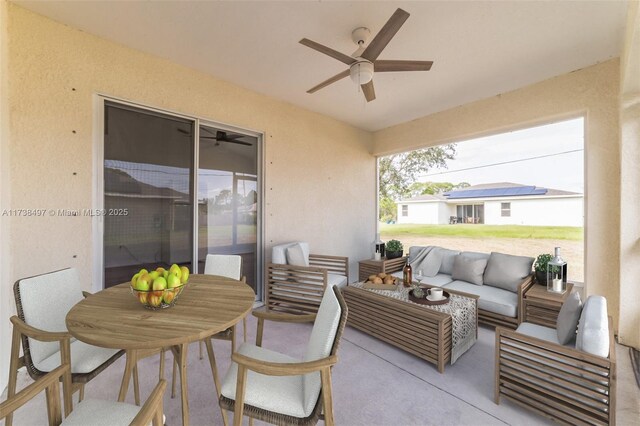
column 505, row 209
column 405, row 210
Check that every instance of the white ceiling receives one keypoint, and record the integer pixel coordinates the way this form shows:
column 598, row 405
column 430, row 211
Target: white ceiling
column 480, row 49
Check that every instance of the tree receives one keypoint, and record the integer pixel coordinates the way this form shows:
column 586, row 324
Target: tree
column 398, row 172
column 433, row 188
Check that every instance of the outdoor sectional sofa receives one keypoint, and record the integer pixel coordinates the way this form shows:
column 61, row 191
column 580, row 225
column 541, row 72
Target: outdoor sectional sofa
column 501, row 284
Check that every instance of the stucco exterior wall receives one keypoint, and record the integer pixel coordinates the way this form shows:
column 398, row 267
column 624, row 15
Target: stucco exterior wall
column 536, row 212
column 629, row 332
column 592, row 92
column 424, row 213
column 320, row 183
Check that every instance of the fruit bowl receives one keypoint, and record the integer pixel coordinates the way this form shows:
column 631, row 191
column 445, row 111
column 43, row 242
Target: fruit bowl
column 160, row 288
column 158, row 299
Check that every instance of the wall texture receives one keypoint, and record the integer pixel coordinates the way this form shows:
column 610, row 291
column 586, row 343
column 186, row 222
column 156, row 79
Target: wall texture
column 629, row 332
column 5, row 200
column 592, row 92
column 319, row 173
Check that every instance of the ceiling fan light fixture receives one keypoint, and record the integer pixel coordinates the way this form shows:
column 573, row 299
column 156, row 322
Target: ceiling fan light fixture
column 361, row 72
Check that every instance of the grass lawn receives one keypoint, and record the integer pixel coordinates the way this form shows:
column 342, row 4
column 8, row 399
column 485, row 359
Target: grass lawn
column 484, row 231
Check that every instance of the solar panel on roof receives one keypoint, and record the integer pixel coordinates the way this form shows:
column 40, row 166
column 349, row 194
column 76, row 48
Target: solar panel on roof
column 495, row 192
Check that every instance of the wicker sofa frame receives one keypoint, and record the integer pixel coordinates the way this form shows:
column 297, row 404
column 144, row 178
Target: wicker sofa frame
column 563, row 384
column 299, row 289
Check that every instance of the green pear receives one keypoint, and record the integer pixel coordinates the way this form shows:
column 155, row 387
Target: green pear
column 185, row 274
column 154, row 275
column 143, row 283
column 175, row 270
column 159, row 283
column 134, row 280
column 143, row 271
column 160, row 270
column 173, row 281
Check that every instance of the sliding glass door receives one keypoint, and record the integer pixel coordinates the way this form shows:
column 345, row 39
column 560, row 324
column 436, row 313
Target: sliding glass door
column 150, row 181
column 148, row 164
column 228, row 197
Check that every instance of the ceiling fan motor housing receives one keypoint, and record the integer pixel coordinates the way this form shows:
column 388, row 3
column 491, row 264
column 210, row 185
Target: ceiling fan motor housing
column 362, row 71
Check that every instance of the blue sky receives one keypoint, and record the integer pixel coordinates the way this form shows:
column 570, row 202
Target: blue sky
column 556, row 170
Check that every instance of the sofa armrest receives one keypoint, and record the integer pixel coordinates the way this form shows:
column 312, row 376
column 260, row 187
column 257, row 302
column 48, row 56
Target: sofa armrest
column 524, row 286
column 334, row 264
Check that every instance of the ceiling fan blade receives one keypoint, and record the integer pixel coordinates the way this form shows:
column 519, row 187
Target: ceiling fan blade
column 328, row 51
column 368, row 90
column 385, row 35
column 325, row 83
column 211, row 138
column 391, row 66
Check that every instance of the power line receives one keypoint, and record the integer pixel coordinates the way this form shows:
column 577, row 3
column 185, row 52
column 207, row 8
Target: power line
column 501, row 163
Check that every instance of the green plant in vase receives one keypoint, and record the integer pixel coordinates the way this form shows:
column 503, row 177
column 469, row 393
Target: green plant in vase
column 394, row 249
column 540, row 267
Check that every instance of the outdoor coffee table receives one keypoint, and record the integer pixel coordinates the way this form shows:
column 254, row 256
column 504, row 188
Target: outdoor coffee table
column 437, row 334
column 113, row 318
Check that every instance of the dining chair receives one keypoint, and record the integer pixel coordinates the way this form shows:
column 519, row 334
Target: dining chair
column 88, row 412
column 229, row 266
column 269, row 386
column 42, row 303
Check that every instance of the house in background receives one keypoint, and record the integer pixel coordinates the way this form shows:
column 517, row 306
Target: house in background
column 501, row 203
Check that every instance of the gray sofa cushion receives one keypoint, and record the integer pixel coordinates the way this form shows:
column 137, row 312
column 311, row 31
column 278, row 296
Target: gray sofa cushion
column 475, row 255
column 468, row 269
column 567, row 322
column 439, row 280
column 507, row 271
column 593, row 327
column 538, row 331
column 448, row 256
column 492, row 299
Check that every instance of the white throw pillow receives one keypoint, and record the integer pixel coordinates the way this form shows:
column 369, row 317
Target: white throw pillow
column 296, row 256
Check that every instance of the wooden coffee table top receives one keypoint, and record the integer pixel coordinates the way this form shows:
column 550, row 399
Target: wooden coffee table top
column 113, row 318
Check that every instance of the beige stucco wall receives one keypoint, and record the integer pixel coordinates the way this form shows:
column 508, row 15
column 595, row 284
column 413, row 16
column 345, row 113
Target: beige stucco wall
column 319, row 172
column 592, row 92
column 629, row 332
column 5, row 198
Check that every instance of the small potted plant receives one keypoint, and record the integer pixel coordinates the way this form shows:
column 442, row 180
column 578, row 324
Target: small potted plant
column 540, row 267
column 393, row 249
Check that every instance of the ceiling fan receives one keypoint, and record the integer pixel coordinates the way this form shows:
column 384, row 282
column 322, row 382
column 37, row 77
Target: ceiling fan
column 364, row 61
column 219, row 136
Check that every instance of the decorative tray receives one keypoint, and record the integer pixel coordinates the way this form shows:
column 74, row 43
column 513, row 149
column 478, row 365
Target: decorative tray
column 425, row 301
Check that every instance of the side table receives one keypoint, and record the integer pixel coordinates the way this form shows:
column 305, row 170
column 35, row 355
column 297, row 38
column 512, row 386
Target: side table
column 542, row 306
column 373, row 267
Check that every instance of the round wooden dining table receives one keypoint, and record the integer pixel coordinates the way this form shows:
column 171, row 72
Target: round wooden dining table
column 114, row 318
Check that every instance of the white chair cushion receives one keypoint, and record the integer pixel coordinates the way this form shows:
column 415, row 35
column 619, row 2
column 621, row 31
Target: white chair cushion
column 337, row 280
column 491, row 299
column 538, row 331
column 84, row 358
column 321, row 342
column 229, row 266
column 46, row 299
column 279, row 252
column 296, row 256
column 593, row 327
column 281, row 394
column 101, row 413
